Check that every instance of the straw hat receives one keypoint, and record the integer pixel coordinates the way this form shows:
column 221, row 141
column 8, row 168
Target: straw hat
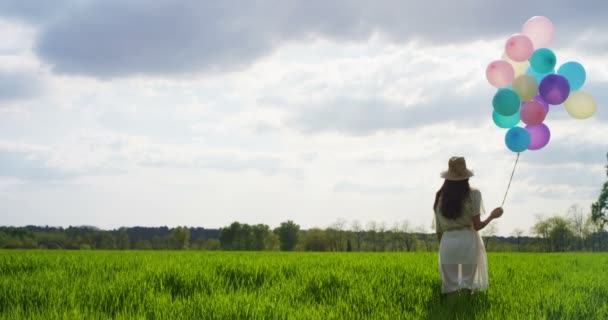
column 457, row 170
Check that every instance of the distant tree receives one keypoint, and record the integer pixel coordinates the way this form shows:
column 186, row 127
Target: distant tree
column 541, row 228
column 358, row 234
column 599, row 209
column 3, row 239
column 211, row 244
column 560, row 233
column 577, row 220
column 105, row 240
column 556, row 232
column 409, row 239
column 349, row 247
column 271, row 242
column 518, row 233
column 421, row 229
column 315, row 240
column 142, row 244
column 179, row 239
column 288, row 234
column 228, row 235
column 372, row 235
column 340, row 240
column 123, row 241
column 260, row 232
column 488, row 232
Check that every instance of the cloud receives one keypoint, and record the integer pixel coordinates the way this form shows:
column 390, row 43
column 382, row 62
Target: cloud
column 19, row 85
column 348, row 186
column 220, row 162
column 172, row 37
column 363, row 116
column 30, row 166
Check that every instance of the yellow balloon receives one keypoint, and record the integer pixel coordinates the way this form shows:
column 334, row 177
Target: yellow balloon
column 520, row 67
column 525, row 86
column 580, row 105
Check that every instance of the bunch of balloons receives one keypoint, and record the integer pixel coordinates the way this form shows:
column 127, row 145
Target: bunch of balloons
column 528, row 84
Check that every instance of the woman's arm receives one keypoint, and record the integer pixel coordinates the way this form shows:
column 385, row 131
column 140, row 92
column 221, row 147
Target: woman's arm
column 478, row 224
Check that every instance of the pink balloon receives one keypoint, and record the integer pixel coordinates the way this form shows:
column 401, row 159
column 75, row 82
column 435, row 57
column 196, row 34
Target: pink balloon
column 532, row 112
column 539, row 136
column 540, row 31
column 543, row 102
column 500, row 73
column 519, row 47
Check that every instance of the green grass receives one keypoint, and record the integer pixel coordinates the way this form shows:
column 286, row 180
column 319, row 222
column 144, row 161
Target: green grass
column 271, row 285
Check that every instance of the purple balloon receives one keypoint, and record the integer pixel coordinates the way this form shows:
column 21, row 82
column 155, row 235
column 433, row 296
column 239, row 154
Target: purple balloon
column 542, row 101
column 554, row 89
column 539, row 136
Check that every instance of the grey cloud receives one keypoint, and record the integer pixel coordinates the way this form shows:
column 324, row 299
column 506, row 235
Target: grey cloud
column 263, row 164
column 599, row 90
column 347, row 186
column 117, row 38
column 567, row 152
column 362, row 116
column 16, row 85
column 37, row 12
column 28, row 166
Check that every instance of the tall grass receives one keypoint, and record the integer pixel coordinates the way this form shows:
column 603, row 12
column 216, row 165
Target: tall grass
column 267, row 285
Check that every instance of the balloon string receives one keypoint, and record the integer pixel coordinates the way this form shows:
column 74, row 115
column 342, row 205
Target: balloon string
column 510, row 179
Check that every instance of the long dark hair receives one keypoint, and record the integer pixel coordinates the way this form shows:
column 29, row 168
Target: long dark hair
column 452, row 194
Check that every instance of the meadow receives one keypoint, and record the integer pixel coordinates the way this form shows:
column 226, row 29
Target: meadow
column 292, row 285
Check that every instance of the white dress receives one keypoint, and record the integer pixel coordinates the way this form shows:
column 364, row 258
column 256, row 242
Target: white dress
column 462, row 255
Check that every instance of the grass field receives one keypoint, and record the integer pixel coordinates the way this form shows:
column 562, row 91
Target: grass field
column 276, row 285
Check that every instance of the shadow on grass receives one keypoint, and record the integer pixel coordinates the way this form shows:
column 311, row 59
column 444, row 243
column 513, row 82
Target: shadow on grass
column 458, row 305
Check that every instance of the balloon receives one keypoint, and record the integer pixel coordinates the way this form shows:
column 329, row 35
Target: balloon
column 505, row 122
column 517, row 139
column 506, row 102
column 519, row 47
column 543, row 102
column 500, row 73
column 525, row 86
column 538, row 76
column 540, row 31
column 532, row 112
column 554, row 89
column 574, row 72
column 539, row 136
column 580, row 105
column 543, row 60
column 519, row 67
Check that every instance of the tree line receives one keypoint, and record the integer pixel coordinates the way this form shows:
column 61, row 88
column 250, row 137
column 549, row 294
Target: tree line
column 573, row 232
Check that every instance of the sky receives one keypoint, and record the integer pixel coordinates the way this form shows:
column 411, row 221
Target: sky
column 200, row 113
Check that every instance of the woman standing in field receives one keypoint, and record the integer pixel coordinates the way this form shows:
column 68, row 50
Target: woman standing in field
column 458, row 207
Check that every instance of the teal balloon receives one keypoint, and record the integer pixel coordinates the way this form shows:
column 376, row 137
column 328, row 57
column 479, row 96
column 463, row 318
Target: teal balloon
column 505, row 122
column 543, row 60
column 538, row 76
column 506, row 102
column 574, row 72
column 517, row 139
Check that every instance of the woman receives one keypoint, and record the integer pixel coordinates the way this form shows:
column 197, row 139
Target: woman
column 462, row 255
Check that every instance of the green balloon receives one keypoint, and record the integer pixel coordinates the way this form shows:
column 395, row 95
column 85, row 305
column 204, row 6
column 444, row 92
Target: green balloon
column 543, row 60
column 505, row 122
column 506, row 102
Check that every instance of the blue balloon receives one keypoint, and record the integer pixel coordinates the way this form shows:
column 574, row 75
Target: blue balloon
column 506, row 102
column 543, row 60
column 517, row 139
column 505, row 122
column 538, row 76
column 574, row 72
